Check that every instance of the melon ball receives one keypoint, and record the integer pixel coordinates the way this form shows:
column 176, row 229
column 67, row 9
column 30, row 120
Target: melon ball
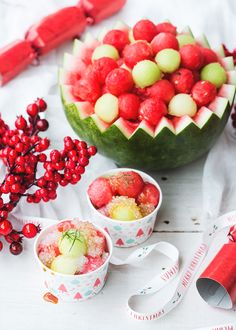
column 124, row 209
column 117, row 38
column 106, row 108
column 168, row 60
column 102, row 67
column 152, row 110
column 146, row 73
column 185, row 39
column 119, row 81
column 166, row 27
column 162, row 89
column 137, row 52
column 214, row 73
column 64, row 265
column 203, row 93
column 105, row 51
column 181, row 105
column 129, row 106
column 72, row 243
column 164, row 40
column 191, row 57
column 144, row 30
column 183, row 80
column 209, row 56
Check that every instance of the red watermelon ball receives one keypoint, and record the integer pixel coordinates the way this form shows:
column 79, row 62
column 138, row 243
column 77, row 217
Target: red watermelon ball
column 191, row 57
column 152, row 110
column 129, row 106
column 203, row 93
column 87, row 89
column 100, row 192
column 183, row 80
column 144, row 30
column 119, row 81
column 166, row 27
column 149, row 195
column 117, row 38
column 102, row 67
column 162, row 89
column 164, row 40
column 209, row 56
column 137, row 52
column 128, row 184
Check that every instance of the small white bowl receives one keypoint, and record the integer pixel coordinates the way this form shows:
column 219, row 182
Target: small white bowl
column 73, row 288
column 127, row 233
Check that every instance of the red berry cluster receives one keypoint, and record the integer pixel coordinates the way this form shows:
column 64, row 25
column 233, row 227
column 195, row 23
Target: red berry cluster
column 22, row 151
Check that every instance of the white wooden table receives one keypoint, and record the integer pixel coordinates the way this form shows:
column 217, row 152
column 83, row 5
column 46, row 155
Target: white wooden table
column 179, row 222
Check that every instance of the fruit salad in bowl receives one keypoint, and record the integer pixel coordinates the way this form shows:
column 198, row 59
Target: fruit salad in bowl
column 150, row 96
column 74, row 256
column 125, row 203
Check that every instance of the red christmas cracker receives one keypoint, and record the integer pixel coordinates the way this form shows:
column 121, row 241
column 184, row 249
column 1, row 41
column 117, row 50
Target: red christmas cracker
column 14, row 58
column 217, row 284
column 51, row 32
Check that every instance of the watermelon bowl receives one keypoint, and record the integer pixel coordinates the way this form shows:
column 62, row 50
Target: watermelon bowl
column 150, row 129
column 127, row 233
column 72, row 288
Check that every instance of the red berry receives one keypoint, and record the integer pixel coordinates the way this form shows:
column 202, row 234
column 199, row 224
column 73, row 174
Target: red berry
column 129, row 106
column 21, row 123
column 43, row 145
column 42, row 158
column 87, row 89
column 144, row 30
column 183, row 80
column 42, row 105
column 164, row 40
column 166, row 27
column 80, row 169
column 32, row 110
column 119, row 81
column 100, row 192
column 191, row 57
column 30, row 230
column 203, row 93
column 64, row 182
column 15, row 188
column 137, row 52
column 117, row 38
column 42, row 125
column 5, row 227
column 102, row 67
column 209, row 56
column 5, row 188
column 1, row 203
column 13, row 237
column 1, row 246
column 55, row 156
column 152, row 110
column 81, row 144
column 83, row 161
column 19, row 147
column 162, row 89
column 149, row 195
column 16, row 248
column 3, row 214
column 48, row 176
column 92, row 150
column 128, row 184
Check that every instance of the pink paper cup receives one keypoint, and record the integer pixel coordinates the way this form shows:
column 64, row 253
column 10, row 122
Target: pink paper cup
column 127, row 233
column 73, row 288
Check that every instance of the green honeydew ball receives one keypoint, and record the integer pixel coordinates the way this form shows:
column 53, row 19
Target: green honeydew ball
column 72, row 243
column 64, row 264
column 182, row 104
column 215, row 74
column 168, row 60
column 146, row 73
column 105, row 51
column 106, row 107
column 185, row 39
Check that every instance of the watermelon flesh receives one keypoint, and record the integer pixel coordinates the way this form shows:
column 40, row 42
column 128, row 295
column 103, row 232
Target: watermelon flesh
column 172, row 143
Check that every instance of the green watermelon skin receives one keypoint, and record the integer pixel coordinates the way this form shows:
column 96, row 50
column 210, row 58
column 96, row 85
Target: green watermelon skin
column 166, row 151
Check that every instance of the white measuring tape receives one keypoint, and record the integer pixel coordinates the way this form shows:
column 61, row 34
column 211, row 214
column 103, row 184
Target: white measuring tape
column 162, row 279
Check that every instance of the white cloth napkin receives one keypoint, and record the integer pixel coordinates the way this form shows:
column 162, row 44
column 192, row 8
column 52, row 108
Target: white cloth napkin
column 219, row 176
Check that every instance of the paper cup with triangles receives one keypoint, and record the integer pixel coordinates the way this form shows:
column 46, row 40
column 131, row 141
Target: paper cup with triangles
column 72, row 288
column 127, row 233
